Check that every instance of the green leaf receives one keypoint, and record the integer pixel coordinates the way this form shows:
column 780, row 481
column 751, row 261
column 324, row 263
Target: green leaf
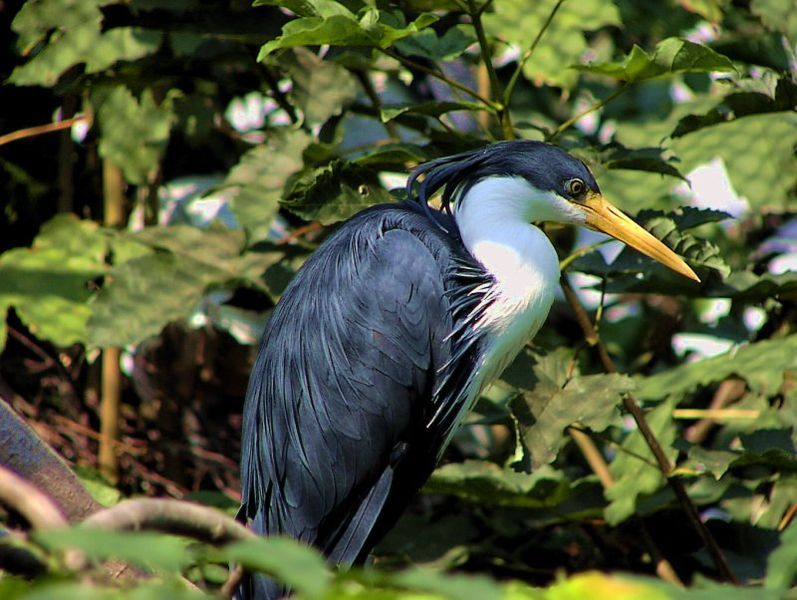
column 544, row 413
column 167, row 283
column 459, row 586
column 309, row 8
column 428, row 44
column 782, row 563
column 36, row 19
column 134, row 133
column 334, row 192
column 563, row 43
column 777, row 15
column 634, row 469
column 761, row 364
column 431, row 108
column 321, row 88
column 670, row 56
column 487, row 483
column 370, row 28
column 150, row 550
column 48, row 284
column 257, row 181
column 298, row 566
column 85, row 44
column 758, row 152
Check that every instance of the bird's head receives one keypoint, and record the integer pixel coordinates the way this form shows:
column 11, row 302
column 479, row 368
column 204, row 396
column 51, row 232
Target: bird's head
column 546, row 183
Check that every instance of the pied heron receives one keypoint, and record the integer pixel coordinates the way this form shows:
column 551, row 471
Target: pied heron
column 386, row 336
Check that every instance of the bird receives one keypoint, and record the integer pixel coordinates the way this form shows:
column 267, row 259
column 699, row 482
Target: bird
column 385, row 338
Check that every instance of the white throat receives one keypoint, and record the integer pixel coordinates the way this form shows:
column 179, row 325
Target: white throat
column 494, row 219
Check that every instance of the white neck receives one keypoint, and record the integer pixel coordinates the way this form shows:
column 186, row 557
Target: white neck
column 494, row 219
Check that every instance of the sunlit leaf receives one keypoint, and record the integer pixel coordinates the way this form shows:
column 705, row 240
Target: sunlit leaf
column 134, row 132
column 428, row 44
column 544, row 413
column 258, row 179
column 670, row 56
column 49, row 284
column 481, row 481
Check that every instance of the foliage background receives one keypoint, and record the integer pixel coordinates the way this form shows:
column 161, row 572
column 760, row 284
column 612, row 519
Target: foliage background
column 216, row 144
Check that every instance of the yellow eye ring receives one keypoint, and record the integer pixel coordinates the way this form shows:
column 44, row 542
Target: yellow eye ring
column 575, row 187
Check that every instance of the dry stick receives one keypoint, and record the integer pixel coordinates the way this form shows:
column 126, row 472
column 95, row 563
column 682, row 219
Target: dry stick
column 598, row 465
column 501, row 111
column 111, row 384
column 662, row 460
column 41, row 129
column 728, row 391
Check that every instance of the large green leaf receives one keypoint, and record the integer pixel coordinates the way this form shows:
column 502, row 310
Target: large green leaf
column 670, row 56
column 321, row 88
column 257, row 181
column 85, row 43
column 485, row 482
column 758, row 152
column 166, row 283
column 778, row 15
column 49, row 284
column 370, row 27
column 563, row 43
column 634, row 469
column 761, row 364
column 333, row 192
column 134, row 133
column 545, row 412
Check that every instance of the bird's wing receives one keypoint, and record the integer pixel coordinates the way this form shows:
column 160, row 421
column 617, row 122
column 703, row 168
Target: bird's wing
column 342, row 388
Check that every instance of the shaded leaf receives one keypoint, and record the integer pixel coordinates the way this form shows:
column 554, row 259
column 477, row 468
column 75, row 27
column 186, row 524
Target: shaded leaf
column 334, row 192
column 321, row 88
column 291, row 562
column 134, row 132
column 634, row 469
column 49, row 284
column 777, row 15
column 670, row 56
column 257, row 181
column 485, row 482
column 428, row 44
column 782, row 563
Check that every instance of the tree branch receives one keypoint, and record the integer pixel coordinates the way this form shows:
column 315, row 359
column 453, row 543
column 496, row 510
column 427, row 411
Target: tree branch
column 665, row 466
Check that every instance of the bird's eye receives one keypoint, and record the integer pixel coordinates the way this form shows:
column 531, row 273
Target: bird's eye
column 575, row 187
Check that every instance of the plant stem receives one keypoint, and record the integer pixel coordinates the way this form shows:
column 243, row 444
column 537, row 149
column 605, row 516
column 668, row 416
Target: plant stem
column 20, row 134
column 376, row 102
column 665, row 466
column 441, row 76
column 597, row 106
column 528, row 54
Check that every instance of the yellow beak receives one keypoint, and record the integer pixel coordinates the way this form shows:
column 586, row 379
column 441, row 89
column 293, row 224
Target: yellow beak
column 604, row 217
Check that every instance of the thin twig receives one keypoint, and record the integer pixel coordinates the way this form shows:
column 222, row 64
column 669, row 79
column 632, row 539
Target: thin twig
column 233, row 581
column 495, row 85
column 376, row 102
column 528, row 54
column 298, row 232
column 663, row 461
column 42, row 129
column 597, row 106
column 439, row 75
